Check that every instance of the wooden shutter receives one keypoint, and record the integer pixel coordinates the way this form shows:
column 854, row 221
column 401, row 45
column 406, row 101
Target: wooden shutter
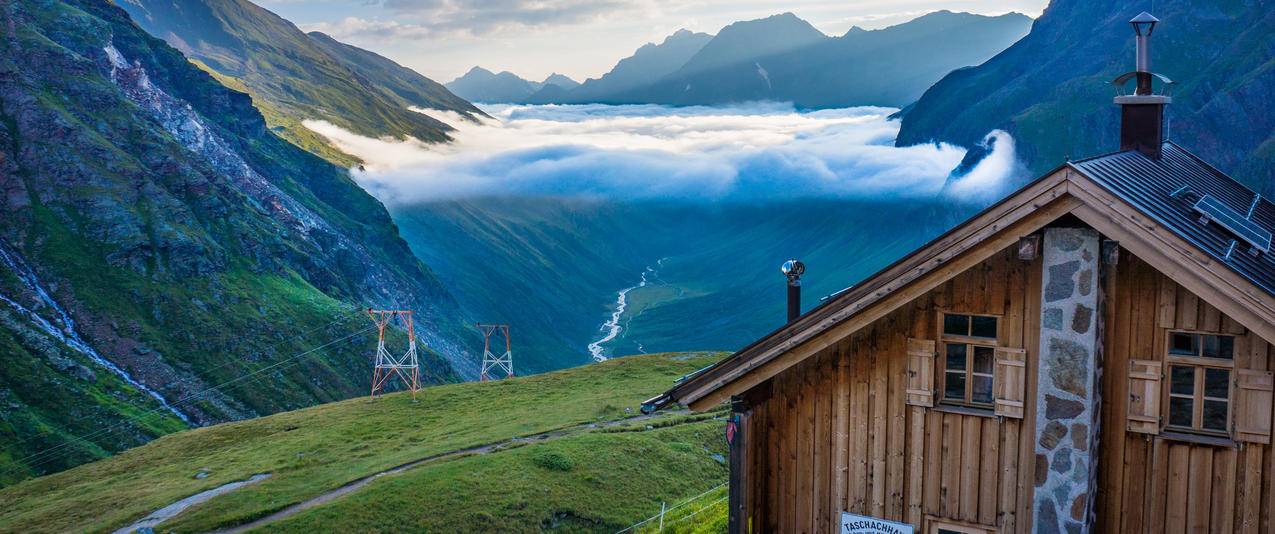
column 1144, row 396
column 920, row 386
column 1253, row 405
column 1010, row 381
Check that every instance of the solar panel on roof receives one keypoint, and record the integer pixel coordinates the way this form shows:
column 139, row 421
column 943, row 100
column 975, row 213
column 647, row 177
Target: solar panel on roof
column 1216, row 211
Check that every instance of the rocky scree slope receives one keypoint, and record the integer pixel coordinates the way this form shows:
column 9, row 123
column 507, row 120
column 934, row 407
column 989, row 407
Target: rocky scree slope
column 158, row 238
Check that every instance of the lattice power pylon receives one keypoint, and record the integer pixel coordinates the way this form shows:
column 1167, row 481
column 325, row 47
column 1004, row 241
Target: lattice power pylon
column 387, row 365
column 504, row 362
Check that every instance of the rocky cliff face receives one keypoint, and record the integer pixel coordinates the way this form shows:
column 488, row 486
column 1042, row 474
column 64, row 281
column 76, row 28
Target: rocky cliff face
column 1051, row 90
column 158, row 239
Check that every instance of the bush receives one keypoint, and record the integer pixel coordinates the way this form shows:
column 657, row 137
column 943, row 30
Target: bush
column 553, row 460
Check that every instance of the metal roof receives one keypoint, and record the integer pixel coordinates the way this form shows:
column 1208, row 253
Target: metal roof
column 1168, row 189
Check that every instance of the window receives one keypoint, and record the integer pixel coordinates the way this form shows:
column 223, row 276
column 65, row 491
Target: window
column 1199, row 374
column 941, row 527
column 968, row 359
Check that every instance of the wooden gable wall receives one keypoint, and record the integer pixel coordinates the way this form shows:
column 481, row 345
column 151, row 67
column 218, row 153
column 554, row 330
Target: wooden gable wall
column 1149, row 483
column 833, row 433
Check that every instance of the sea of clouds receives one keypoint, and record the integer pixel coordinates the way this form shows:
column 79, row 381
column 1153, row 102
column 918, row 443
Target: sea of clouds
column 754, row 152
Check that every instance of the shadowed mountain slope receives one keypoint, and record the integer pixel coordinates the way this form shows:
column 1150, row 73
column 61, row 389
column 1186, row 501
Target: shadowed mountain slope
column 1048, row 89
column 159, row 239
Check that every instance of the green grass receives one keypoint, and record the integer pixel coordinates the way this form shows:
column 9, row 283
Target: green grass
column 594, row 482
column 702, row 514
column 312, row 450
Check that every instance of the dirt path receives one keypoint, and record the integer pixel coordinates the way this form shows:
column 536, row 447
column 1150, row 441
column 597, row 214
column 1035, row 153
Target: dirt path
column 353, row 486
column 167, row 512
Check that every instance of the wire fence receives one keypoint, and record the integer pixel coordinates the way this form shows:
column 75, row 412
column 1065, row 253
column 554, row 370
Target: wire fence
column 661, row 521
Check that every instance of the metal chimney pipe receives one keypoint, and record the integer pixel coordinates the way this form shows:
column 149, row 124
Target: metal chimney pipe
column 1144, row 53
column 1143, row 64
column 793, row 269
column 1143, row 25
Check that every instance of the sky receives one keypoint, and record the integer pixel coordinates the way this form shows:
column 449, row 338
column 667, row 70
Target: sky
column 443, row 39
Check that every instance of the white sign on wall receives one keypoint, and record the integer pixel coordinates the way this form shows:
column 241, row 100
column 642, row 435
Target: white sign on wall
column 862, row 524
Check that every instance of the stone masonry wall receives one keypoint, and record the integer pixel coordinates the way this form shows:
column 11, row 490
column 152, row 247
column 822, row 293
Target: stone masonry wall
column 1066, row 395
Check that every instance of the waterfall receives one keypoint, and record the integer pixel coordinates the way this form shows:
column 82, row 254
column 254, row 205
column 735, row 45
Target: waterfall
column 64, row 329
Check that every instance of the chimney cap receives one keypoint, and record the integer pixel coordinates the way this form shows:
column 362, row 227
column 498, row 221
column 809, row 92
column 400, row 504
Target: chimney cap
column 1145, row 21
column 793, row 269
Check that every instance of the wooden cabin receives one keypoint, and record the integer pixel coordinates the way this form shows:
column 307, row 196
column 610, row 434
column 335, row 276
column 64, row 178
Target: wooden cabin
column 1092, row 353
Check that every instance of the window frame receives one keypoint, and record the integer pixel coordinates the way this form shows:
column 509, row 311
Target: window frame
column 1199, row 364
column 970, row 342
column 935, row 523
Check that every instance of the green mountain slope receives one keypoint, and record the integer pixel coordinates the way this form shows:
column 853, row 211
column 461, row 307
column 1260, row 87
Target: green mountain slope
column 599, row 468
column 293, row 76
column 407, row 86
column 158, row 239
column 1051, row 92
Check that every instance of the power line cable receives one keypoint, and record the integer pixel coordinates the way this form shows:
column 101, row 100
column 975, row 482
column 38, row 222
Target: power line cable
column 341, row 317
column 57, row 451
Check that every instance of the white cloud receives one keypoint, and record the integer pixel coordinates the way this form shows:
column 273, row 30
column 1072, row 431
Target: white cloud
column 752, row 152
column 481, row 17
column 358, row 28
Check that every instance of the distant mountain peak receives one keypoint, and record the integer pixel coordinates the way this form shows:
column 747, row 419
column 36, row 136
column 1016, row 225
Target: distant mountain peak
column 560, row 80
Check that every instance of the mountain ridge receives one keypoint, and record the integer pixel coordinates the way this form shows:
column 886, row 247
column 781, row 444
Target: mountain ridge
column 781, row 58
column 294, row 76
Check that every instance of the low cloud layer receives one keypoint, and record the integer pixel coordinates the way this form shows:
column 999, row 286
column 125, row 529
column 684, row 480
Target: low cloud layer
column 743, row 153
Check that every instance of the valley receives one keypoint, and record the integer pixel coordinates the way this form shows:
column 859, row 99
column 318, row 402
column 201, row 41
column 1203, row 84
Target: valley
column 202, row 200
column 542, row 215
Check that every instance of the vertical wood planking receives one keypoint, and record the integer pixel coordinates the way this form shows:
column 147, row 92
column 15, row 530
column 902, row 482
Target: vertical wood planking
column 1188, row 305
column 987, row 477
column 791, row 457
column 933, row 473
column 1178, row 483
column 916, row 464
column 805, row 450
column 971, row 455
column 1198, row 497
column 841, row 434
column 1250, row 499
column 859, row 437
column 1157, row 490
column 878, row 400
column 951, row 460
column 897, row 421
column 1222, row 509
column 1027, row 436
column 1135, row 510
column 819, row 448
